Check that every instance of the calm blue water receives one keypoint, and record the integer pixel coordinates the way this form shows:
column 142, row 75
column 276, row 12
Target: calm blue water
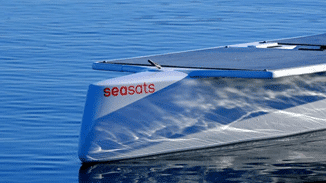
column 46, row 52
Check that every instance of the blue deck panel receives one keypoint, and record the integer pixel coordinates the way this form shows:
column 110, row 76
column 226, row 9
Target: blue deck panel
column 237, row 61
column 314, row 40
column 234, row 58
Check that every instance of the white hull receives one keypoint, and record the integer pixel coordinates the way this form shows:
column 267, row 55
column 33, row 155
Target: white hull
column 199, row 113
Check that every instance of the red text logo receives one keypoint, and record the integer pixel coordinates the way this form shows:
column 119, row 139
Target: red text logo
column 129, row 90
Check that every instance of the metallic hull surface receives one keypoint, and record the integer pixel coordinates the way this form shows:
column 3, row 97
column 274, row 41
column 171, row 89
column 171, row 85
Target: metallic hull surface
column 187, row 113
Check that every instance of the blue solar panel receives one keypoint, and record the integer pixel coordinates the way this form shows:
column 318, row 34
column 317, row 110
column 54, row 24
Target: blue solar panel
column 234, row 58
column 243, row 58
column 315, row 40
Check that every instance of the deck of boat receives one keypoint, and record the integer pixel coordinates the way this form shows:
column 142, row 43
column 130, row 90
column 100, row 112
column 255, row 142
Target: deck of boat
column 308, row 52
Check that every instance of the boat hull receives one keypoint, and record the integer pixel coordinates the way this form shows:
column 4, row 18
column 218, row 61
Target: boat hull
column 185, row 113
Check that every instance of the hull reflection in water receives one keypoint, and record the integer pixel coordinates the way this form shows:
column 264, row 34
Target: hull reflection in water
column 299, row 158
column 198, row 113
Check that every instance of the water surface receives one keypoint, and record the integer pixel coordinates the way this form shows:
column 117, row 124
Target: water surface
column 46, row 52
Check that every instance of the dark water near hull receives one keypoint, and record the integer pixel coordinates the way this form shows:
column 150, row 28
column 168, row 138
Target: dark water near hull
column 46, row 52
column 298, row 158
